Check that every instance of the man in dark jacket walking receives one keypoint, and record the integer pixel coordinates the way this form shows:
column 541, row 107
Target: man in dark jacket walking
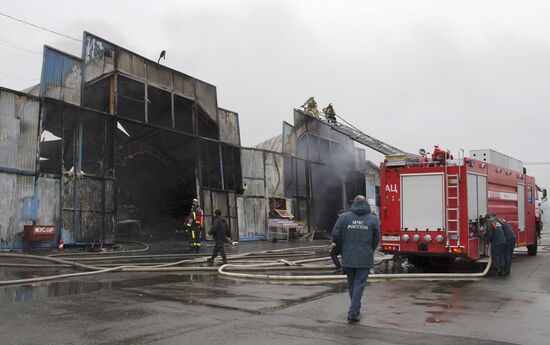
column 221, row 233
column 358, row 232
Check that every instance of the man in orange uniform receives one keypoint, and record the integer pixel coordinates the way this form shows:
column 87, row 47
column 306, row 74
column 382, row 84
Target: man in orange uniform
column 195, row 224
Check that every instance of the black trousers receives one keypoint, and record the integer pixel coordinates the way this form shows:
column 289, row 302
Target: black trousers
column 508, row 252
column 195, row 239
column 334, row 252
column 218, row 249
column 497, row 256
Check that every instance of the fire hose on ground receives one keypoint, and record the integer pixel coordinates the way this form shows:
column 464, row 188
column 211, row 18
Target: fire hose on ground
column 280, row 265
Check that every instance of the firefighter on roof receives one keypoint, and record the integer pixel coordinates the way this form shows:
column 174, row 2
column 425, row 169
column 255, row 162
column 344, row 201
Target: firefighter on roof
column 330, row 114
column 195, row 224
column 310, row 107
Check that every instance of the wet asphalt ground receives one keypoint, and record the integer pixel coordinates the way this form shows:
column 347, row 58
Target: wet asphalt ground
column 150, row 308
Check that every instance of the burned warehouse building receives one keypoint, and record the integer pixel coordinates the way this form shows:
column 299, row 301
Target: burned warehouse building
column 113, row 145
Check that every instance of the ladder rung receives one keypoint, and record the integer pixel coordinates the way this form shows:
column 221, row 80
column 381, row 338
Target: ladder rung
column 452, row 220
column 452, row 208
column 452, row 197
column 452, row 175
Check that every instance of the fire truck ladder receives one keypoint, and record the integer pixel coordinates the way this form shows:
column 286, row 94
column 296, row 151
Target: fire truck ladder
column 357, row 135
column 452, row 205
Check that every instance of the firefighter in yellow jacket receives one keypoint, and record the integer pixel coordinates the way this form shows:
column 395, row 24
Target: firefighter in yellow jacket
column 195, row 223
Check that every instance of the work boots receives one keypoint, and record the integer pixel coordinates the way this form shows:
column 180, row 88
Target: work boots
column 210, row 262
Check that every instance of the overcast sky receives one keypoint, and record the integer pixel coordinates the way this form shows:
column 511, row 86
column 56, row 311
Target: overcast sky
column 461, row 74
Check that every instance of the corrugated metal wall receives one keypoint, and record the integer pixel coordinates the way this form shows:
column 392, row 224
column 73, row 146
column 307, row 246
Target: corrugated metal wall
column 289, row 139
column 49, row 201
column 252, row 165
column 252, row 214
column 18, row 131
column 274, row 175
column 99, row 57
column 61, row 76
column 226, row 203
column 131, row 63
column 18, row 153
column 229, row 127
column 206, row 97
column 20, row 190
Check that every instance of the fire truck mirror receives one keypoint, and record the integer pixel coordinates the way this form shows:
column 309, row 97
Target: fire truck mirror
column 422, row 152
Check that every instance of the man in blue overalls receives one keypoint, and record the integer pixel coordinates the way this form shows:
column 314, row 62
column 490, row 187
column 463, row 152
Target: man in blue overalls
column 510, row 238
column 498, row 242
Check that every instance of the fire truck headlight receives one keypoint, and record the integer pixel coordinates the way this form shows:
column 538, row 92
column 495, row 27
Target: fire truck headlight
column 405, row 238
column 416, row 237
column 439, row 238
column 428, row 238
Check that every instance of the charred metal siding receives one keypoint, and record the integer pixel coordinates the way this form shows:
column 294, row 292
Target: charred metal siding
column 226, row 203
column 49, row 201
column 252, row 207
column 253, row 172
column 18, row 154
column 274, row 175
column 162, row 100
column 61, row 76
column 15, row 210
column 252, row 213
column 18, row 131
column 99, row 58
column 229, row 127
column 74, row 187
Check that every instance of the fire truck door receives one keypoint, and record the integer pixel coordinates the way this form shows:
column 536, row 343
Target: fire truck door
column 477, row 196
column 477, row 207
column 521, row 213
column 422, row 201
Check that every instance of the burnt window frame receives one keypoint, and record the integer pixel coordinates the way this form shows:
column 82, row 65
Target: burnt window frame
column 121, row 78
column 52, row 121
column 187, row 126
column 206, row 127
column 90, row 90
column 157, row 111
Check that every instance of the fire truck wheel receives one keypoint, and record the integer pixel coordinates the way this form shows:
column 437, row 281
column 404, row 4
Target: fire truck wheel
column 532, row 248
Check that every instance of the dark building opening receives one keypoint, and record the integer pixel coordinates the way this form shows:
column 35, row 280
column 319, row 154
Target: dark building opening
column 97, row 95
column 159, row 105
column 130, row 98
column 183, row 114
column 330, row 198
column 207, row 126
column 155, row 171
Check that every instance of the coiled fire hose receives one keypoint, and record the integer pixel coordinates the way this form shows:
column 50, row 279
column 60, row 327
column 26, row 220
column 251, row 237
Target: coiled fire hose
column 282, row 264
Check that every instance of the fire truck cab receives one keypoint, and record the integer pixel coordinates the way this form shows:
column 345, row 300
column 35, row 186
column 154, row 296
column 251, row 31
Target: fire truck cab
column 436, row 207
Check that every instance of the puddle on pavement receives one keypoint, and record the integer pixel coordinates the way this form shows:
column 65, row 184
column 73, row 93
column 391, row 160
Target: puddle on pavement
column 41, row 290
column 30, row 292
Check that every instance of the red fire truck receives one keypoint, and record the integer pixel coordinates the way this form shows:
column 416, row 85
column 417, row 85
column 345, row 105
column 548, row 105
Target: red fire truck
column 435, row 206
